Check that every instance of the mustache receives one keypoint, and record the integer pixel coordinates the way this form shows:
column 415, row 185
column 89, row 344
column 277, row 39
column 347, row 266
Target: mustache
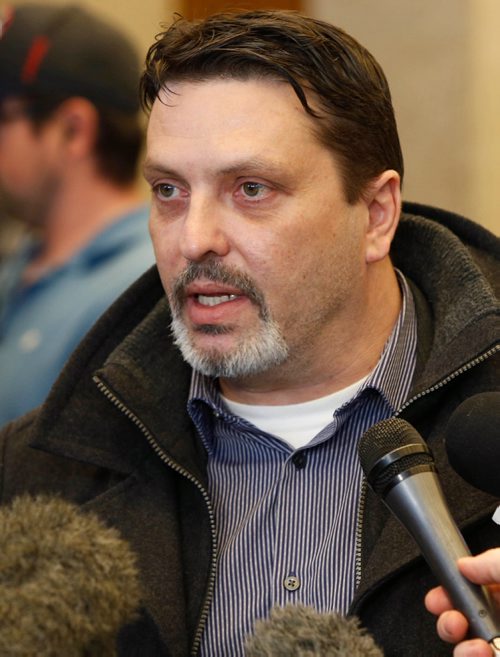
column 217, row 272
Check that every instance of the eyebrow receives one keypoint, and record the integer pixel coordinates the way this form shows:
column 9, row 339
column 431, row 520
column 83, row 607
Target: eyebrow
column 253, row 165
column 150, row 167
column 247, row 165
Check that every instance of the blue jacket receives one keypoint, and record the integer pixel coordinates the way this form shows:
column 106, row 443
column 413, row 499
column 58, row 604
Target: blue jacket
column 41, row 324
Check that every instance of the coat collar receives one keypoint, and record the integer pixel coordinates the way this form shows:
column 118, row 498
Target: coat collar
column 461, row 320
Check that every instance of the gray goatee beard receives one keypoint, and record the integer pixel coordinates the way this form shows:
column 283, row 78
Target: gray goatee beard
column 255, row 352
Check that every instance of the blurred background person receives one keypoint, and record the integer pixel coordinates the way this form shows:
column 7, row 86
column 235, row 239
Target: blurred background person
column 70, row 139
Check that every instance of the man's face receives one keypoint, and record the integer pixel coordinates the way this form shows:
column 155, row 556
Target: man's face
column 261, row 257
column 29, row 164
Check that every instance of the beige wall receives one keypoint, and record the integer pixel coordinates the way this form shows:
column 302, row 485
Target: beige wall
column 442, row 60
column 485, row 98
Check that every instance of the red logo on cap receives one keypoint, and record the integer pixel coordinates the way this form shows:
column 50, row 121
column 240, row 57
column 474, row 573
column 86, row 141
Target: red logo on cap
column 34, row 58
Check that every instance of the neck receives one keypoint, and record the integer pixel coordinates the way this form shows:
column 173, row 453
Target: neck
column 80, row 212
column 344, row 355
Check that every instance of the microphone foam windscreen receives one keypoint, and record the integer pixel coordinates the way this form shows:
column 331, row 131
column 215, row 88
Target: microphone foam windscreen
column 67, row 582
column 472, row 441
column 299, row 631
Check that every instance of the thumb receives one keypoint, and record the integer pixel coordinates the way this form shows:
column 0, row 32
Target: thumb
column 483, row 568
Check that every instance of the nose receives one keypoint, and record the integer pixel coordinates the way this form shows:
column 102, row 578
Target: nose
column 203, row 232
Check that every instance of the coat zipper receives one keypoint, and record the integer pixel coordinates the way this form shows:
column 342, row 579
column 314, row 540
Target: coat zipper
column 182, row 471
column 185, row 473
column 440, row 384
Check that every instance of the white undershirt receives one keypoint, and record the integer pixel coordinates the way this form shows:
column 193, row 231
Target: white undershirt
column 296, row 424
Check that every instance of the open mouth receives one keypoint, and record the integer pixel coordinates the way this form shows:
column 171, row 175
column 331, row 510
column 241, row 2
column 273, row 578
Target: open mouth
column 215, row 300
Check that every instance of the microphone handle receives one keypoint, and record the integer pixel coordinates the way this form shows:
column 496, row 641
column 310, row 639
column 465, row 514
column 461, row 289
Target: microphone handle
column 418, row 502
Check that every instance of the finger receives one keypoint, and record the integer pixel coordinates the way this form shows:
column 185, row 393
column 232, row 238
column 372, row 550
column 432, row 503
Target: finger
column 452, row 626
column 437, row 601
column 473, row 648
column 482, row 569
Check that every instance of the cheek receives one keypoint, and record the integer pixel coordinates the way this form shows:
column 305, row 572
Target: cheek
column 28, row 165
column 169, row 261
column 18, row 171
column 14, row 157
column 162, row 236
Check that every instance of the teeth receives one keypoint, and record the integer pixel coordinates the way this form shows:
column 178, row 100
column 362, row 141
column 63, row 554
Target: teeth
column 215, row 300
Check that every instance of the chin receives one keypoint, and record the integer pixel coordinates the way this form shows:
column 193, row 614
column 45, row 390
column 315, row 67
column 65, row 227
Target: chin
column 220, row 354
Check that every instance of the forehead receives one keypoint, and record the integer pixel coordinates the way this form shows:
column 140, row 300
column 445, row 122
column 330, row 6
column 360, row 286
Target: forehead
column 223, row 114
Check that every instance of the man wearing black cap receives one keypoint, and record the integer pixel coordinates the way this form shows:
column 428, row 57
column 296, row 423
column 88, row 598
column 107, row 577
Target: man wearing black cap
column 70, row 138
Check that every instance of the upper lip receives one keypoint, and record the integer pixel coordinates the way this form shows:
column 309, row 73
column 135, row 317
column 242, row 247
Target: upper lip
column 210, row 288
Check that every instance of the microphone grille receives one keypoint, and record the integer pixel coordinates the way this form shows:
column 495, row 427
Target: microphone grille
column 389, row 448
column 384, row 437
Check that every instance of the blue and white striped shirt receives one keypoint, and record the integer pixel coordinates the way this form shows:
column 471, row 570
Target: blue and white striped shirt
column 287, row 519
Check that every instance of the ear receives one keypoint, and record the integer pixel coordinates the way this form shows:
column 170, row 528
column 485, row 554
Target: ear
column 383, row 199
column 79, row 123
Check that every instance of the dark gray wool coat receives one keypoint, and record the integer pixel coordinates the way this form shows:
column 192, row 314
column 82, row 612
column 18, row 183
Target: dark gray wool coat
column 114, row 437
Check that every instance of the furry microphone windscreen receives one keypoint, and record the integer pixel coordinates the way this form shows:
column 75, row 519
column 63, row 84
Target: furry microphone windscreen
column 68, row 583
column 298, row 631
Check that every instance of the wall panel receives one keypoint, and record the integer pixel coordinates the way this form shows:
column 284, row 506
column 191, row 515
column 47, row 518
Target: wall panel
column 201, row 8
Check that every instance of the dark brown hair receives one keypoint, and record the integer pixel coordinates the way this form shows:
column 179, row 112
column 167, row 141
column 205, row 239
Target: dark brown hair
column 354, row 113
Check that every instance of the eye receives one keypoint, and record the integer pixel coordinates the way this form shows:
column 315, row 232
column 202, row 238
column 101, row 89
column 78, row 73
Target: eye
column 166, row 191
column 254, row 189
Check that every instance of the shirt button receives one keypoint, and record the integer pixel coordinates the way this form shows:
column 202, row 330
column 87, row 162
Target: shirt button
column 291, row 583
column 299, row 459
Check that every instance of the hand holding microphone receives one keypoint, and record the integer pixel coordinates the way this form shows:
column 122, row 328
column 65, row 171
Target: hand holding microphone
column 400, row 468
column 452, row 626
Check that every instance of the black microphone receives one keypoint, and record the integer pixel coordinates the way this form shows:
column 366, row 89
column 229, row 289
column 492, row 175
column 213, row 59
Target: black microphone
column 68, row 583
column 299, row 631
column 400, row 468
column 472, row 439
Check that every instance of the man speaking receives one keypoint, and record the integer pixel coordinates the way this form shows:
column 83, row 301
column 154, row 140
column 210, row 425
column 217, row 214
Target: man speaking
column 213, row 414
